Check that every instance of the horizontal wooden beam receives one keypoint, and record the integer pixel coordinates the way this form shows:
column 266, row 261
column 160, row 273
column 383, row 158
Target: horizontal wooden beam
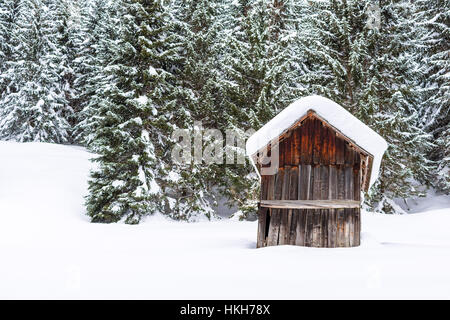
column 310, row 204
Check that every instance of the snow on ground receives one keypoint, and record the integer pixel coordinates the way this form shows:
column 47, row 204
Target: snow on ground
column 432, row 201
column 48, row 248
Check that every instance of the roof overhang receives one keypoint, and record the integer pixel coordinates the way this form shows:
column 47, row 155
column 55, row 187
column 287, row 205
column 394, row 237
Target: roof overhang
column 332, row 115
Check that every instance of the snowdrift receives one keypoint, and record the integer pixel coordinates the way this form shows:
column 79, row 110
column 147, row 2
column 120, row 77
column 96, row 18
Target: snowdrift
column 49, row 249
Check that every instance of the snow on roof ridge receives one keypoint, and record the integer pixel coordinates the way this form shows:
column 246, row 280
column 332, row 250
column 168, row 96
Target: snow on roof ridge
column 335, row 115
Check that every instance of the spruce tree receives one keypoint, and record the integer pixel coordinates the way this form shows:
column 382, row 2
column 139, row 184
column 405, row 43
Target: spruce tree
column 66, row 28
column 336, row 45
column 199, row 34
column 393, row 97
column 260, row 62
column 435, row 107
column 96, row 40
column 9, row 12
column 128, row 129
column 371, row 68
column 36, row 108
column 263, row 65
column 443, row 169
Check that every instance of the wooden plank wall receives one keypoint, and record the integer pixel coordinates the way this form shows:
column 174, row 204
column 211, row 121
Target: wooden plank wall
column 315, row 164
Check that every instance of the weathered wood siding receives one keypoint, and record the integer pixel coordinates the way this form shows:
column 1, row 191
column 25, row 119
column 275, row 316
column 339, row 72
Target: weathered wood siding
column 315, row 164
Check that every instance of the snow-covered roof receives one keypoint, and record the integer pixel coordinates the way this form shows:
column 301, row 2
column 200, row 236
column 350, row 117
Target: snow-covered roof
column 331, row 112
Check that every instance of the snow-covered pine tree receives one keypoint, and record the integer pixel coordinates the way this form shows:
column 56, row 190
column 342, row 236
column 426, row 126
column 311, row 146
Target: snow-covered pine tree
column 66, row 27
column 9, row 10
column 335, row 43
column 132, row 116
column 96, row 40
column 393, row 93
column 200, row 37
column 36, row 109
column 366, row 56
column 263, row 66
column 260, row 60
column 435, row 109
column 200, row 43
column 443, row 169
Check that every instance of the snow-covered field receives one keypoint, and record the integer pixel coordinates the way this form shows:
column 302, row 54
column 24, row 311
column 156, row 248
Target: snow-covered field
column 48, row 248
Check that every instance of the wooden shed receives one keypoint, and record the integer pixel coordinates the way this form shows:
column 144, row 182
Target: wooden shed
column 326, row 158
